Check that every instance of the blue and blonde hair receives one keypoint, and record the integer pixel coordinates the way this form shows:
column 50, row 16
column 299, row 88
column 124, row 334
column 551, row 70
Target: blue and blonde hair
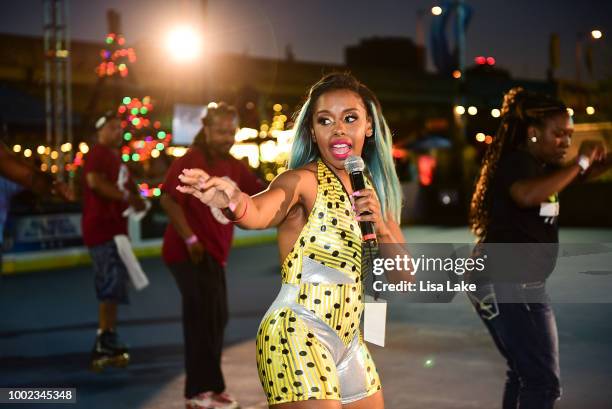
column 376, row 151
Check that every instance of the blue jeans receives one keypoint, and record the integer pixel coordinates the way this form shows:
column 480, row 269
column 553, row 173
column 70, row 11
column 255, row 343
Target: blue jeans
column 526, row 335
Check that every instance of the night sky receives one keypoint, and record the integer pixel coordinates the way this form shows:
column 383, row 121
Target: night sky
column 515, row 32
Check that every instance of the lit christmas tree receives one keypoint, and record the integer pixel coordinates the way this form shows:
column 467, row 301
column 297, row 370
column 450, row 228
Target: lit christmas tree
column 115, row 57
column 144, row 138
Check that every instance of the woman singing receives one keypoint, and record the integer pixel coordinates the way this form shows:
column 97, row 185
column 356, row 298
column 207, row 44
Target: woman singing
column 310, row 352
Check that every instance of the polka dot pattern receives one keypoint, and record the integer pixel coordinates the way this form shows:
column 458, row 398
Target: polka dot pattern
column 373, row 383
column 340, row 306
column 292, row 364
column 331, row 237
column 331, row 234
column 301, row 369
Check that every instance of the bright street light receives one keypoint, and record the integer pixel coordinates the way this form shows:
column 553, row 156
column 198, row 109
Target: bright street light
column 460, row 110
column 184, row 44
column 436, row 11
column 596, row 34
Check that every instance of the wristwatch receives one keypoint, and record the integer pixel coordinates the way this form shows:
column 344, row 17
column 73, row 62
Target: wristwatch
column 584, row 162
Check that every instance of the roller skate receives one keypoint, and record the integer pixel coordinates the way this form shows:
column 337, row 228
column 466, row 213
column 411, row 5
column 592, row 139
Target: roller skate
column 109, row 351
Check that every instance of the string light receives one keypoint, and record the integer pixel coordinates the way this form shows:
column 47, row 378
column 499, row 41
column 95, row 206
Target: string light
column 139, row 130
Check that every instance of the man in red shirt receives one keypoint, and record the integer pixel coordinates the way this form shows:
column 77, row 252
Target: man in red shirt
column 107, row 191
column 196, row 247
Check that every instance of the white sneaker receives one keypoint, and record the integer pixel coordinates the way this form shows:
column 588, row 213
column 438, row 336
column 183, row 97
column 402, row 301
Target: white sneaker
column 211, row 400
column 227, row 400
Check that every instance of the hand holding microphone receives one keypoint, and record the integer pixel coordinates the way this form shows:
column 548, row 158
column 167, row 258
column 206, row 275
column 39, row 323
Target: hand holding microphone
column 365, row 201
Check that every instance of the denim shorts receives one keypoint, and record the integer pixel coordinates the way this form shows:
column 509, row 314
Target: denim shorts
column 111, row 276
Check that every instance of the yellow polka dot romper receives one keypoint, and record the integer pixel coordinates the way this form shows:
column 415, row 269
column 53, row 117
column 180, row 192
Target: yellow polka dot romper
column 309, row 345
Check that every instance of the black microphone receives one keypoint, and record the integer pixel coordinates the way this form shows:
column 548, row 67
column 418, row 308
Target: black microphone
column 354, row 166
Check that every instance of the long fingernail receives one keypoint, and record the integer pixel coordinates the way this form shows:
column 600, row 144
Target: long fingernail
column 358, row 218
column 356, row 193
column 232, row 206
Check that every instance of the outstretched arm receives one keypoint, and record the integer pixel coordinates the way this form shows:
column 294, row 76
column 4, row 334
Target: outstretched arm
column 266, row 209
column 533, row 191
column 38, row 182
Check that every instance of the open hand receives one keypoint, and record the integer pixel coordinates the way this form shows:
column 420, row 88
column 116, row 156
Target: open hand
column 219, row 192
column 594, row 150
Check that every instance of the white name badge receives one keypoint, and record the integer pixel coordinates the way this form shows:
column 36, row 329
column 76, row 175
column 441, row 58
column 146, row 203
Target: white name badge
column 375, row 319
column 549, row 209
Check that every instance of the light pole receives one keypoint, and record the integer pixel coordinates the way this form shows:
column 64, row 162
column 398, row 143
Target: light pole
column 581, row 38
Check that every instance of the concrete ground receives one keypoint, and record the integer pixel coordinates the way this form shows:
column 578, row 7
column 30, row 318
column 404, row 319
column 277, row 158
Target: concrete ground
column 437, row 355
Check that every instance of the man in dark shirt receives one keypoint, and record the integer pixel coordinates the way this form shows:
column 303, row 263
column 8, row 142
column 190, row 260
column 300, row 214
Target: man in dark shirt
column 107, row 191
column 196, row 246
